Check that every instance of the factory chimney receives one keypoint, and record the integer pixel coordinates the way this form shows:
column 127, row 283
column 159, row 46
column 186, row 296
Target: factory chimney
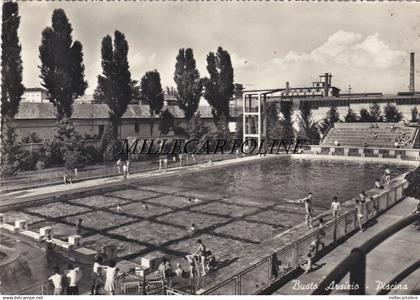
column 411, row 87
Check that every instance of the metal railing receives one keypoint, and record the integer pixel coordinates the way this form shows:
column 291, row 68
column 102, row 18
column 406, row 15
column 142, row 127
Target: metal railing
column 54, row 176
column 39, row 288
column 355, row 263
column 263, row 274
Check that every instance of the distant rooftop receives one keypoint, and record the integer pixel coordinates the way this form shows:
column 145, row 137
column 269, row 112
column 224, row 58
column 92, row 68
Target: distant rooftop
column 35, row 89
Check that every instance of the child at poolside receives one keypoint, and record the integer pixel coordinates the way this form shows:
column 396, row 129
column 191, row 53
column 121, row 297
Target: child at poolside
column 79, row 225
column 67, row 178
column 179, row 271
column 378, row 184
column 57, row 280
column 97, row 276
column 307, row 265
column 125, row 171
column 110, row 278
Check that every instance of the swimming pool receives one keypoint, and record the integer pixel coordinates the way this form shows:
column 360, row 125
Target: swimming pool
column 236, row 207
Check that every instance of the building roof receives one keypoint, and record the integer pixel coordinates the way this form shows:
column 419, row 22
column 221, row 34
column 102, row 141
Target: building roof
column 35, row 110
column 36, row 89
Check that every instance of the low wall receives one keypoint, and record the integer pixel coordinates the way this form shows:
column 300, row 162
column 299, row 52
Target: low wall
column 383, row 153
column 260, row 276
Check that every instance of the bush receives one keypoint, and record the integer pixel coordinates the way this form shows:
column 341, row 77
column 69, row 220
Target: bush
column 74, row 159
column 13, row 156
column 92, row 155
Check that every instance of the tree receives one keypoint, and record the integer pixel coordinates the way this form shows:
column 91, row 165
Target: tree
column 167, row 122
column 62, row 68
column 151, row 89
column 286, row 123
column 306, row 122
column 391, row 113
column 330, row 118
column 115, row 85
column 413, row 188
column 98, row 95
column 239, row 134
column 12, row 154
column 239, row 90
column 67, row 146
column 375, row 112
column 219, row 88
column 196, row 127
column 188, row 82
column 414, row 114
column 274, row 128
column 365, row 116
column 351, row 116
column 11, row 62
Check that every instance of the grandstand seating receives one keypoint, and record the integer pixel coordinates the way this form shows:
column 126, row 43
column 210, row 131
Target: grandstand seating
column 381, row 135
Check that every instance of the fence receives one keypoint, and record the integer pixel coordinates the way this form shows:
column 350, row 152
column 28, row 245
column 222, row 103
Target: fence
column 271, row 269
column 127, row 284
column 55, row 175
column 39, row 288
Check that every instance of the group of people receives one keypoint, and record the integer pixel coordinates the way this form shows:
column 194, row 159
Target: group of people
column 200, row 262
column 104, row 276
column 360, row 206
column 67, row 283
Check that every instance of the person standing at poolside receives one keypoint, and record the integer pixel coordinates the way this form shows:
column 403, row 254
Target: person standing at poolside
column 125, row 171
column 97, row 276
column 119, row 165
column 79, row 225
column 165, row 164
column 73, row 276
column 335, row 208
column 307, row 201
column 110, row 278
column 201, row 252
column 57, row 280
column 320, row 239
column 359, row 208
column 387, row 174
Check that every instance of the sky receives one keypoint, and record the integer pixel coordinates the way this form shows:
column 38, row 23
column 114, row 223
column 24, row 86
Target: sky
column 366, row 45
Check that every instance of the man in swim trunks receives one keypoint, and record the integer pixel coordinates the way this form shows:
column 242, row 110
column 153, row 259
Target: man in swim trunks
column 335, row 208
column 307, row 201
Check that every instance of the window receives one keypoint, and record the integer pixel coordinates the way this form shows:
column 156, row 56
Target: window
column 101, row 130
column 136, row 127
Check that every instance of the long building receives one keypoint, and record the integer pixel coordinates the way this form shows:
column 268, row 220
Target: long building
column 92, row 119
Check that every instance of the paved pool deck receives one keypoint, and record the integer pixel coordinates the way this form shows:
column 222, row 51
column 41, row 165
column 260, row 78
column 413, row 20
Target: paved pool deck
column 32, row 194
column 366, row 159
column 383, row 263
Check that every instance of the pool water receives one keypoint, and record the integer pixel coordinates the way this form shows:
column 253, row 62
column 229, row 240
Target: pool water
column 232, row 208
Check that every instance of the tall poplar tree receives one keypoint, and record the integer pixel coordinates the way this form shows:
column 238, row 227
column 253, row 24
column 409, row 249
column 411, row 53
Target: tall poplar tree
column 11, row 62
column 152, row 93
column 188, row 82
column 219, row 88
column 62, row 68
column 115, row 82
